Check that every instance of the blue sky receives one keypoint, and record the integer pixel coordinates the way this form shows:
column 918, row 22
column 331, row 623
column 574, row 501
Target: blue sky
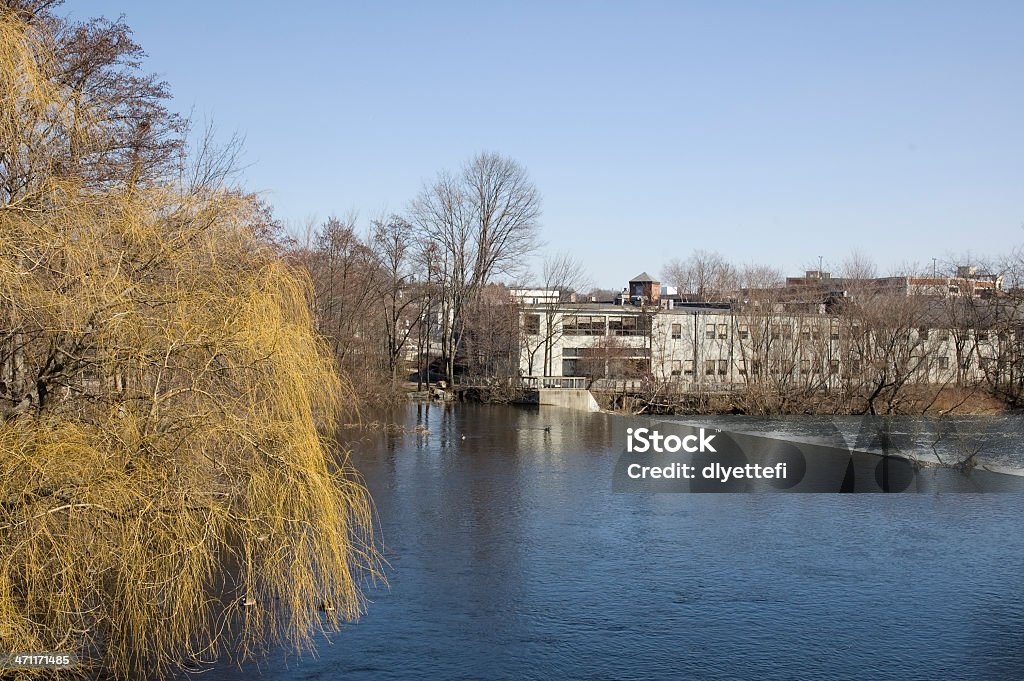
column 768, row 131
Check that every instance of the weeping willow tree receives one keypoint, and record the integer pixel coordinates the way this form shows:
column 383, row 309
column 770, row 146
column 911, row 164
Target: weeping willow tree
column 167, row 494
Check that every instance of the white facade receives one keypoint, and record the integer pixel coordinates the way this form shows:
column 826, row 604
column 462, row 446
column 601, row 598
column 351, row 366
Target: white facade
column 722, row 346
column 535, row 296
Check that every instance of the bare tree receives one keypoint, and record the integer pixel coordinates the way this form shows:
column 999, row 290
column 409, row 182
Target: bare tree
column 771, row 346
column 136, row 139
column 612, row 357
column 346, row 286
column 392, row 242
column 565, row 274
column 888, row 349
column 484, row 222
column 858, row 266
column 704, row 275
column 759, row 278
column 428, row 312
column 491, row 344
column 1008, row 320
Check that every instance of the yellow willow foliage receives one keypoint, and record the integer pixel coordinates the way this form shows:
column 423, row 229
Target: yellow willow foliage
column 45, row 128
column 170, row 494
column 167, row 493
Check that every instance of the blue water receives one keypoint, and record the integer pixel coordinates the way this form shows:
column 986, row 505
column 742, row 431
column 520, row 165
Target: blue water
column 511, row 558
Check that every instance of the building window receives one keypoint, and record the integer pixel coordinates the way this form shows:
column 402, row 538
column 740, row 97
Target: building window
column 833, row 331
column 723, row 367
column 741, row 367
column 922, row 333
column 744, row 332
column 583, row 325
column 943, row 363
column 833, row 366
column 677, row 331
column 709, row 367
column 709, row 331
column 983, row 335
column 805, row 366
column 677, row 367
column 687, row 367
column 723, row 330
column 531, row 325
column 627, row 326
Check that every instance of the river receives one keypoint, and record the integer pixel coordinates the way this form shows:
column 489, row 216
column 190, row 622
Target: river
column 510, row 557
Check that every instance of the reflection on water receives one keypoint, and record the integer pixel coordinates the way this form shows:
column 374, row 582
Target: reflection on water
column 510, row 557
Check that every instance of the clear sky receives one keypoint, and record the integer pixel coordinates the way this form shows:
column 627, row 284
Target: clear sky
column 771, row 132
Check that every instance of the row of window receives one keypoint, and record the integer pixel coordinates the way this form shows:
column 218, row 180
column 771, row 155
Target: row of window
column 785, row 332
column 720, row 367
column 586, row 325
column 631, row 325
column 604, row 353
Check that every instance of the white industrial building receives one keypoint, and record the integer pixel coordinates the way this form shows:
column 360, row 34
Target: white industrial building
column 720, row 344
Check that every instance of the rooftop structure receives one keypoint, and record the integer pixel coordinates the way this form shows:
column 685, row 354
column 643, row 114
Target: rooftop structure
column 643, row 288
column 535, row 296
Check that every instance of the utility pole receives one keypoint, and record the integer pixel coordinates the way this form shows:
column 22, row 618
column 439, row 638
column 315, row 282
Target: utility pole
column 934, row 271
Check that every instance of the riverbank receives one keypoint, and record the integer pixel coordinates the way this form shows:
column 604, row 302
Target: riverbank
column 916, row 402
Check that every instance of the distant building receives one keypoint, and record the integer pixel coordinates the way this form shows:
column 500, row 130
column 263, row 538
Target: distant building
column 643, row 288
column 535, row 296
column 967, row 284
column 718, row 344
